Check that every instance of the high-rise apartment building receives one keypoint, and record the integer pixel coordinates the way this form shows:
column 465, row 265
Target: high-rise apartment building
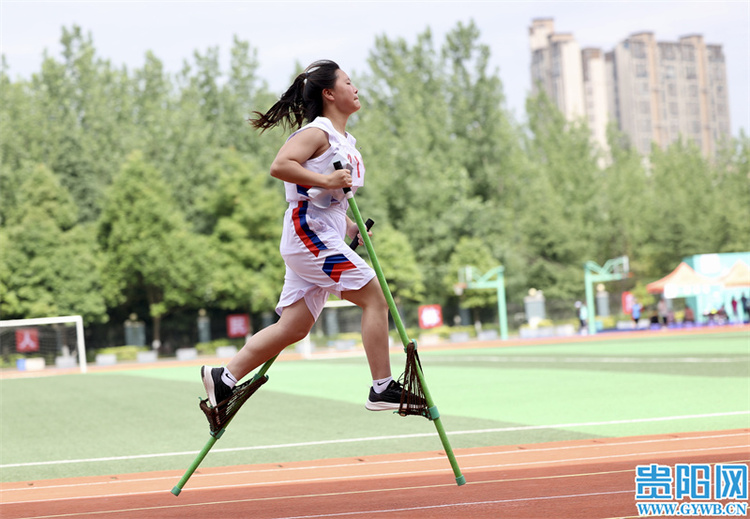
column 595, row 93
column 556, row 65
column 574, row 79
column 667, row 89
column 655, row 91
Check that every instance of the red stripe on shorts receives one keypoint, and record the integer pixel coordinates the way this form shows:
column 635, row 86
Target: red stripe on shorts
column 308, row 237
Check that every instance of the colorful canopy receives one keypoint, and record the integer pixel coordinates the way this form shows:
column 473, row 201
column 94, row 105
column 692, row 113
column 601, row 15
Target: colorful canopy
column 682, row 282
column 738, row 276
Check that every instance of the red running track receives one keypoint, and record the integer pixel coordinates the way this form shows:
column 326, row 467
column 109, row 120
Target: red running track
column 572, row 479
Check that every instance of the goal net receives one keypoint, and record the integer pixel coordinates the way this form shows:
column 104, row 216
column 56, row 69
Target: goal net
column 33, row 344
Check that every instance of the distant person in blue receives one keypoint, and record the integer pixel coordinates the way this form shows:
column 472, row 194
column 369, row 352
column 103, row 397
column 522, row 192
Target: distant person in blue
column 583, row 316
column 636, row 312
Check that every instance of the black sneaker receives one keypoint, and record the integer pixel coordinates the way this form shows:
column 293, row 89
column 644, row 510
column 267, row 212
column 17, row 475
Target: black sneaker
column 388, row 399
column 216, row 389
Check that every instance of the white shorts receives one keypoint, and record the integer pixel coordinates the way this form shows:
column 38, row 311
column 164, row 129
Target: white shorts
column 318, row 260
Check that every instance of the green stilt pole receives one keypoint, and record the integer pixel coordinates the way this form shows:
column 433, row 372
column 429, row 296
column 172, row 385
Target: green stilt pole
column 197, row 461
column 434, row 415
column 214, row 437
column 433, row 412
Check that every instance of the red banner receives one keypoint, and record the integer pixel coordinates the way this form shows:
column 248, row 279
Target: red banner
column 238, row 325
column 27, row 340
column 627, row 302
column 430, row 316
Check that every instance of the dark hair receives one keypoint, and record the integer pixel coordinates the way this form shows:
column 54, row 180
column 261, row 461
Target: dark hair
column 301, row 101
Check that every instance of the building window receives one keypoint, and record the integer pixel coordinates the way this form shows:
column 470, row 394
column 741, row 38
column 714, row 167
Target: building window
column 688, row 53
column 667, row 51
column 641, row 70
column 673, row 111
column 715, row 54
column 693, row 90
column 638, row 49
column 669, row 71
column 690, row 72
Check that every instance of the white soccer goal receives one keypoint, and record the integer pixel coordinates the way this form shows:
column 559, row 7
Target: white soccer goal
column 36, row 342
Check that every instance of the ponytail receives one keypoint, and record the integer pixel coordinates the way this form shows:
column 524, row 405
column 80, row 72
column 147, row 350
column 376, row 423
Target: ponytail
column 303, row 100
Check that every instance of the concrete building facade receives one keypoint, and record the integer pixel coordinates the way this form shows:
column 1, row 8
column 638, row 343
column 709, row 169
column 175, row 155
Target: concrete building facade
column 656, row 92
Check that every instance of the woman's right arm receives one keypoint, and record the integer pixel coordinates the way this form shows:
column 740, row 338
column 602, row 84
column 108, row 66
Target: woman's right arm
column 310, row 143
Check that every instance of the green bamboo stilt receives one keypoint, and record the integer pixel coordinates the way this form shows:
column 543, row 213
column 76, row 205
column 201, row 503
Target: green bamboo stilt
column 214, row 438
column 434, row 416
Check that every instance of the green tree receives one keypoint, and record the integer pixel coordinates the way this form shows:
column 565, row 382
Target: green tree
column 683, row 204
column 472, row 252
column 402, row 272
column 49, row 265
column 450, row 175
column 206, row 113
column 186, row 149
column 624, row 205
column 242, row 93
column 153, row 110
column 486, row 137
column 557, row 197
column 149, row 252
column 732, row 185
column 81, row 108
column 20, row 130
column 247, row 271
column 433, row 172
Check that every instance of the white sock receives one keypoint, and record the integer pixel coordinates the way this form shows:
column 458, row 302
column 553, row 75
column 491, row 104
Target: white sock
column 380, row 385
column 228, row 378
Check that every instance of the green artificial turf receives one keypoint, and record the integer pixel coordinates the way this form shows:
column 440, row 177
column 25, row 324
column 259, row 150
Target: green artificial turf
column 148, row 419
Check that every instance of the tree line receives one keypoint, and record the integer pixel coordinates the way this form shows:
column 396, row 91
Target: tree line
column 136, row 187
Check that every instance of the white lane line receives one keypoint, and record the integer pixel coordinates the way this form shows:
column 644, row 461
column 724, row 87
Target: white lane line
column 379, row 438
column 466, row 456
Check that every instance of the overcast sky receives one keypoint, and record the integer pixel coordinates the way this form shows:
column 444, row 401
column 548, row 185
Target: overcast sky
column 285, row 32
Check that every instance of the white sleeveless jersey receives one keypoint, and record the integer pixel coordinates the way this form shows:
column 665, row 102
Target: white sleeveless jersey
column 318, row 260
column 341, row 146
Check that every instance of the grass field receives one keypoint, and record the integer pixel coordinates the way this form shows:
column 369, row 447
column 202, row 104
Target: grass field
column 147, row 418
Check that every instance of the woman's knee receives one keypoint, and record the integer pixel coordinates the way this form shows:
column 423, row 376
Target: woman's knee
column 376, row 300
column 369, row 297
column 297, row 333
column 295, row 323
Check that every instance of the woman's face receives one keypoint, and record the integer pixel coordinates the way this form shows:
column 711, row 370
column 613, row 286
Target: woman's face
column 345, row 94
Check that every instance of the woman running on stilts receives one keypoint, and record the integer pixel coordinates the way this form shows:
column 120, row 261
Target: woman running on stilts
column 318, row 260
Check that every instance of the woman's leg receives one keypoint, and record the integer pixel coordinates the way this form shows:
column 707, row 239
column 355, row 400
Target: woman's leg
column 374, row 326
column 293, row 326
